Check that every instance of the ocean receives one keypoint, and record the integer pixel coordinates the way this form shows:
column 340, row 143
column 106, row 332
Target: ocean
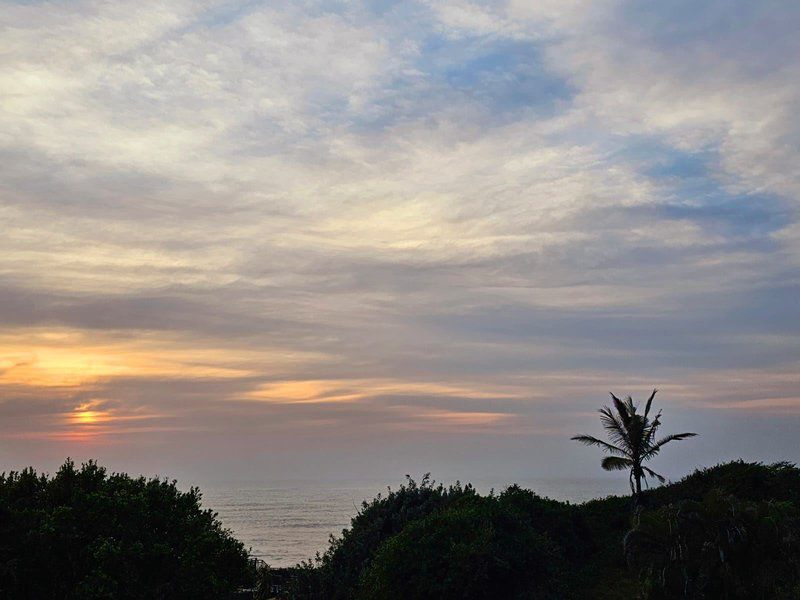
column 284, row 522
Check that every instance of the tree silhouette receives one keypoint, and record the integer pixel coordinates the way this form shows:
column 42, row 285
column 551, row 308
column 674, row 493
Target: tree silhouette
column 632, row 440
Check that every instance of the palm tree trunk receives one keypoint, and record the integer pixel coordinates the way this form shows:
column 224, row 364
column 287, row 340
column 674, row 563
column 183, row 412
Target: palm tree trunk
column 637, row 492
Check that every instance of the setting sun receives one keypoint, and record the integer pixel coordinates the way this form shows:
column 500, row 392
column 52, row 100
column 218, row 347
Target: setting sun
column 86, row 417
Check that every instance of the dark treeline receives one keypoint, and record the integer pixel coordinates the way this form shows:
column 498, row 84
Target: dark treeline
column 88, row 534
column 730, row 531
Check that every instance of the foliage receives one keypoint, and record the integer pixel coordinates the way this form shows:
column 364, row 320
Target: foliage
column 335, row 574
column 744, row 480
column 427, row 541
column 719, row 547
column 730, row 531
column 88, row 534
column 263, row 582
column 481, row 548
column 633, row 438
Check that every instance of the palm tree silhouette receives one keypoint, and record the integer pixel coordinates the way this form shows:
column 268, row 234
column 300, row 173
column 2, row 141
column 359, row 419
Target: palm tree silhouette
column 633, row 440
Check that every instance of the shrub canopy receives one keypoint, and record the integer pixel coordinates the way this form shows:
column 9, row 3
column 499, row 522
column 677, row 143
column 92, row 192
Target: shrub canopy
column 85, row 533
column 730, row 531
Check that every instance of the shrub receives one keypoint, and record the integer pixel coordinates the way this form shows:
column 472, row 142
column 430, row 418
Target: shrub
column 481, row 548
column 335, row 575
column 718, row 547
column 86, row 534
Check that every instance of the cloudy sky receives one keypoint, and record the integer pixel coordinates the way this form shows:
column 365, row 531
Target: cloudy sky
column 330, row 239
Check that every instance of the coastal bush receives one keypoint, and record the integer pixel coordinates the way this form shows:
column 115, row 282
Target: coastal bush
column 744, row 480
column 336, row 574
column 481, row 548
column 85, row 533
column 718, row 547
column 730, row 531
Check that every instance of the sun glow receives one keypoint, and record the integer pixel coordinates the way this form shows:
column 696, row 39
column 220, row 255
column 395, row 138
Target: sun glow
column 89, row 413
column 349, row 390
column 87, row 417
column 68, row 358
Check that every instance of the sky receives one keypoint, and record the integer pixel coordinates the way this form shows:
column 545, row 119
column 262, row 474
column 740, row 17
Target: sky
column 262, row 240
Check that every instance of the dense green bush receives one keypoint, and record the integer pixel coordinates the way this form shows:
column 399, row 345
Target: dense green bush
column 719, row 547
column 482, row 548
column 336, row 574
column 729, row 531
column 425, row 540
column 746, row 481
column 88, row 534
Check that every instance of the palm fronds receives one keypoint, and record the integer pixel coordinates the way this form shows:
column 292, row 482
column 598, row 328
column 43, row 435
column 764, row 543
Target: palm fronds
column 593, row 441
column 632, row 438
column 616, row 463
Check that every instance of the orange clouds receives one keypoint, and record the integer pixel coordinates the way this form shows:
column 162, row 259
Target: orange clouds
column 349, row 390
column 74, row 358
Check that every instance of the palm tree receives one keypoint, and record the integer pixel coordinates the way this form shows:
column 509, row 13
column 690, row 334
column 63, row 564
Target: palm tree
column 633, row 440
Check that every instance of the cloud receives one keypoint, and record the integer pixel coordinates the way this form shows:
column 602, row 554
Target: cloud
column 446, row 216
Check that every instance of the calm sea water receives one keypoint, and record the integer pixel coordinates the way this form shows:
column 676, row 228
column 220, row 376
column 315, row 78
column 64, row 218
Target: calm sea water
column 286, row 522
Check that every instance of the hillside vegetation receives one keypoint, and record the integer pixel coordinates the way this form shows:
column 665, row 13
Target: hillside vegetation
column 730, row 531
column 87, row 534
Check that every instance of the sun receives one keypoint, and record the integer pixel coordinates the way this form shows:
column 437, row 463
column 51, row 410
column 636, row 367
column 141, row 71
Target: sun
column 88, row 414
column 86, row 417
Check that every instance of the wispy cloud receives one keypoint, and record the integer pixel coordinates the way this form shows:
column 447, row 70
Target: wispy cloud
column 378, row 218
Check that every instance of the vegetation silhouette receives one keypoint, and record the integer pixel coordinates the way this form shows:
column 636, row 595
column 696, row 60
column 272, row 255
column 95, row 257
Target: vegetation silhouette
column 719, row 546
column 85, row 533
column 730, row 532
column 633, row 440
